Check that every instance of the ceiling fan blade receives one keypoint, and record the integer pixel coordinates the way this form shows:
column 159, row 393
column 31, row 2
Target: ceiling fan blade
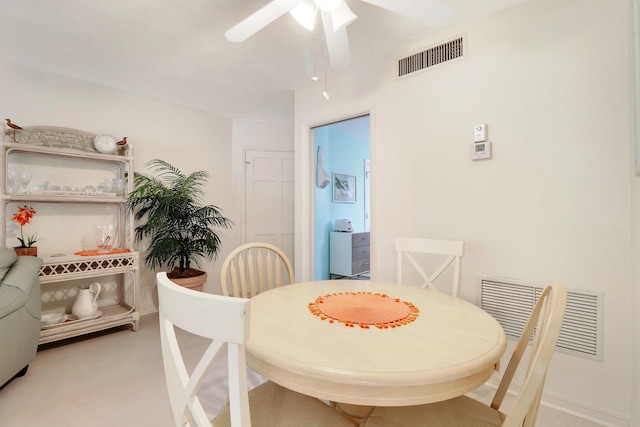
column 432, row 12
column 342, row 16
column 260, row 19
column 337, row 43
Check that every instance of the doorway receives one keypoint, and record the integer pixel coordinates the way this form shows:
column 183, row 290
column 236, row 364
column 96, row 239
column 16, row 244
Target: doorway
column 341, row 148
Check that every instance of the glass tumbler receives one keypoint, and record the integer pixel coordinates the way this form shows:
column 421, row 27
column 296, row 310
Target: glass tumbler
column 105, row 236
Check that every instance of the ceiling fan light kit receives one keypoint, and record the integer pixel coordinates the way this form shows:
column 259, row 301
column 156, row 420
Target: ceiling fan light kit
column 305, row 13
column 307, row 10
column 336, row 15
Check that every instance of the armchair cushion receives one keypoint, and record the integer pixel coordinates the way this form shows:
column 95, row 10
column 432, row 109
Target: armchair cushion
column 7, row 258
column 11, row 299
column 17, row 281
column 19, row 313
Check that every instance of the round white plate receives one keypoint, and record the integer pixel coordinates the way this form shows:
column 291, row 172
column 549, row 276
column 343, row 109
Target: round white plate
column 70, row 319
column 105, row 144
column 50, row 319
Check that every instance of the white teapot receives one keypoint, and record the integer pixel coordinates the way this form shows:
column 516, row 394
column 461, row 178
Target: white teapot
column 86, row 304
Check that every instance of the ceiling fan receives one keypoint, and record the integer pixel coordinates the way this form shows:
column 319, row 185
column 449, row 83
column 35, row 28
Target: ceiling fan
column 336, row 15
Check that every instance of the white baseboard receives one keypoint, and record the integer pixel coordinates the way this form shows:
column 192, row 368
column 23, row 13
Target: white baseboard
column 147, row 310
column 558, row 411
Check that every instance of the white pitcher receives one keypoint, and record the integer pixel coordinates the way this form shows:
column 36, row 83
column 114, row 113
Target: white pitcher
column 86, row 304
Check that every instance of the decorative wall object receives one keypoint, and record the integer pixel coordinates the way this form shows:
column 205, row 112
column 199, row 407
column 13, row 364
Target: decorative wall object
column 344, row 188
column 322, row 179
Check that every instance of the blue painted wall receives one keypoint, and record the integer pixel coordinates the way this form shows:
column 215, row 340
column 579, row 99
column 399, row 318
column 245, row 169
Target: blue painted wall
column 343, row 153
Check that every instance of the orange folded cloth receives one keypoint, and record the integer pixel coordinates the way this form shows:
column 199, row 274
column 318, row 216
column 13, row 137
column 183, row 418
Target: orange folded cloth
column 364, row 309
column 94, row 252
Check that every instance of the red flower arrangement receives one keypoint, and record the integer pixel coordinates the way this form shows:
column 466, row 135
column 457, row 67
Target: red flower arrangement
column 23, row 217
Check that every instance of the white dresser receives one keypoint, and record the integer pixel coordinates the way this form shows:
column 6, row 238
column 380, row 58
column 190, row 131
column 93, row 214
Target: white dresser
column 349, row 253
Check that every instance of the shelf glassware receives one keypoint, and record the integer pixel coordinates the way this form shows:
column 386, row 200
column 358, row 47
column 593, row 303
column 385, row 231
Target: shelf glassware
column 18, row 181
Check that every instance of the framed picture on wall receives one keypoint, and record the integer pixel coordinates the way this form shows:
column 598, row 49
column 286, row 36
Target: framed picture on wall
column 344, row 188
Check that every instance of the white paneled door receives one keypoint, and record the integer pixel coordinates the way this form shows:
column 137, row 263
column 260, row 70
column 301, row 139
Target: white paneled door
column 269, row 205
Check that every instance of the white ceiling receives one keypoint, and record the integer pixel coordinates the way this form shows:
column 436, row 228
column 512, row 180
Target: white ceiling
column 176, row 51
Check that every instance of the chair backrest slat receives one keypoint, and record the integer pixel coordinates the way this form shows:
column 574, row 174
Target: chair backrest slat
column 223, row 320
column 452, row 249
column 254, row 268
column 546, row 321
column 259, row 273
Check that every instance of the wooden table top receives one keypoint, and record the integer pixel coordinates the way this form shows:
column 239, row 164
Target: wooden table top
column 449, row 349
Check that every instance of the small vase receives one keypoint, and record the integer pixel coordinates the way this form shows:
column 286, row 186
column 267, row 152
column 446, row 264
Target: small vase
column 32, row 251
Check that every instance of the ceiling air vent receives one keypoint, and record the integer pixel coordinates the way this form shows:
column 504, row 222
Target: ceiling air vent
column 430, row 57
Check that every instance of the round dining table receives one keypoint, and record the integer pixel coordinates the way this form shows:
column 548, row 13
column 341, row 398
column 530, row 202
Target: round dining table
column 372, row 343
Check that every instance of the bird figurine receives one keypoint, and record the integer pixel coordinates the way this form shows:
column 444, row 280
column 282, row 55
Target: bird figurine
column 14, row 127
column 122, row 146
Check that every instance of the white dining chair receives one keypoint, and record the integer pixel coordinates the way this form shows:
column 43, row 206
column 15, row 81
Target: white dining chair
column 225, row 321
column 546, row 321
column 406, row 248
column 254, row 268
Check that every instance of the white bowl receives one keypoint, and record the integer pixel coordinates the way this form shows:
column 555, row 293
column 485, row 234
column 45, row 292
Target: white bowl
column 105, row 144
column 52, row 318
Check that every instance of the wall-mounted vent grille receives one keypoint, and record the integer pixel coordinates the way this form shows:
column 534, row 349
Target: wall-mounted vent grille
column 430, row 57
column 510, row 302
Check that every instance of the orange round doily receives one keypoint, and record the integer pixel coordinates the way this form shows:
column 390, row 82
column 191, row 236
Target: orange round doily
column 364, row 309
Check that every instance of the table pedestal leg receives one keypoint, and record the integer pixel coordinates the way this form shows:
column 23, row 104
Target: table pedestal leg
column 355, row 413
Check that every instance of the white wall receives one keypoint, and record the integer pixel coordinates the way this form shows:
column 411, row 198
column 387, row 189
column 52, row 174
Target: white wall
column 188, row 139
column 634, row 301
column 551, row 78
column 635, row 197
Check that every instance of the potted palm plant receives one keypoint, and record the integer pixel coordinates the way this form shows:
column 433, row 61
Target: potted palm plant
column 180, row 229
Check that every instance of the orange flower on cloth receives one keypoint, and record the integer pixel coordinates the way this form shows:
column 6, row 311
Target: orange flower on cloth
column 364, row 309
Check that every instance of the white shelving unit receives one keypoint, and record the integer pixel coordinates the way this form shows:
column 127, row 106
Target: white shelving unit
column 60, row 273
